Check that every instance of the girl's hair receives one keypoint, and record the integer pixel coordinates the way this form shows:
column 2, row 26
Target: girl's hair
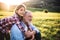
column 19, row 6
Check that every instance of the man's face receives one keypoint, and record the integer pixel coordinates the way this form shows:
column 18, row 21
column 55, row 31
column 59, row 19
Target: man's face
column 21, row 11
column 27, row 17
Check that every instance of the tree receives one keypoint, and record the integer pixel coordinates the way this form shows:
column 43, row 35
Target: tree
column 51, row 5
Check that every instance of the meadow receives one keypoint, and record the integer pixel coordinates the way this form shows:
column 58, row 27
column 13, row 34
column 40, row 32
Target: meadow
column 47, row 23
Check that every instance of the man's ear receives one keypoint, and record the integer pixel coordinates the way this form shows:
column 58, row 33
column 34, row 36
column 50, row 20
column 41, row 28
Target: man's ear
column 24, row 15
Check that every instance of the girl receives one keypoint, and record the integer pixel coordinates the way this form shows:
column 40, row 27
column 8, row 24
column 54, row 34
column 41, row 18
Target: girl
column 6, row 23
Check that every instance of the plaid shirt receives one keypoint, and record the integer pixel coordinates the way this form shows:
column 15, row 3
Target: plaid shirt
column 6, row 23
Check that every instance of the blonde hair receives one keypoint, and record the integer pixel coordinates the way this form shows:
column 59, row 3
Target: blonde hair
column 19, row 6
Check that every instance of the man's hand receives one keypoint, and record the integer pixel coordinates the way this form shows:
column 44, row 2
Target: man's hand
column 32, row 37
column 29, row 33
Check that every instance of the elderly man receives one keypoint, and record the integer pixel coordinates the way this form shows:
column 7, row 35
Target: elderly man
column 31, row 32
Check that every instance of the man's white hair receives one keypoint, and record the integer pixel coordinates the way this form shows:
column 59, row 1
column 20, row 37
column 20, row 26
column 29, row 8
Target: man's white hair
column 27, row 12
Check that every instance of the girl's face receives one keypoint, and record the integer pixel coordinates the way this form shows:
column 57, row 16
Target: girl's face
column 21, row 11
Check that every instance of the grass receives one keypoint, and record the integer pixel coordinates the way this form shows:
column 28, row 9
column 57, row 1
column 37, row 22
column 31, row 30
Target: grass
column 47, row 23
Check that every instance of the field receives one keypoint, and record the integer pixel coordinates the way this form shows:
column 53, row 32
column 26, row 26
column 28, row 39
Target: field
column 47, row 23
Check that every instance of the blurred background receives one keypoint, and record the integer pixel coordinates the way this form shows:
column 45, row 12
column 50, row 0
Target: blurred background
column 46, row 15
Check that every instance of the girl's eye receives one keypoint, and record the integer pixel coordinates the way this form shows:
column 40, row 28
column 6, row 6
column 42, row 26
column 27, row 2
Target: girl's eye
column 21, row 10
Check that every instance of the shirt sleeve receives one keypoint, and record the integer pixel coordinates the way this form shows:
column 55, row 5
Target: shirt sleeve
column 34, row 28
column 0, row 25
column 16, row 34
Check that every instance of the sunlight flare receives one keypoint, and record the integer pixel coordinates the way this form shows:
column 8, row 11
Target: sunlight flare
column 12, row 2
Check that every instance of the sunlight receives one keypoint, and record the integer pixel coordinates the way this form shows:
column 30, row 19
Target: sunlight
column 13, row 2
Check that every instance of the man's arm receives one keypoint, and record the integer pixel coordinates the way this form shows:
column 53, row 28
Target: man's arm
column 34, row 28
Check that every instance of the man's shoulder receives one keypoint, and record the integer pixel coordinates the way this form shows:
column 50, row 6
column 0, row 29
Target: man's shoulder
column 14, row 28
column 14, row 25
